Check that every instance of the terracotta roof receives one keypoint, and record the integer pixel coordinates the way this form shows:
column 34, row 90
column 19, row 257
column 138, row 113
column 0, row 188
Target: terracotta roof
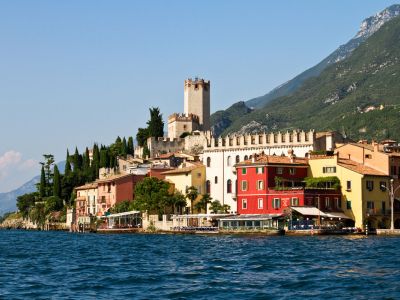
column 180, row 170
column 361, row 145
column 113, row 177
column 359, row 168
column 272, row 159
column 322, row 156
column 166, row 155
column 91, row 185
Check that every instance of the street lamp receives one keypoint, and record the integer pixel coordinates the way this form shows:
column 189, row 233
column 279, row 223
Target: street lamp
column 391, row 193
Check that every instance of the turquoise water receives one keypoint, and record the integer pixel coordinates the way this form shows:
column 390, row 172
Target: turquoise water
column 56, row 265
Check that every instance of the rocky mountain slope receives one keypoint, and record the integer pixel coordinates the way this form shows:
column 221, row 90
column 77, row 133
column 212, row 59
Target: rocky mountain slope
column 368, row 27
column 358, row 95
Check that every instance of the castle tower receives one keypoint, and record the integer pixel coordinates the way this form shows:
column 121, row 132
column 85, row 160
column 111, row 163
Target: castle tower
column 197, row 101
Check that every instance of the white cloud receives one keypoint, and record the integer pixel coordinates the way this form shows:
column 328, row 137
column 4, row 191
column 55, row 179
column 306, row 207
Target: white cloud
column 13, row 167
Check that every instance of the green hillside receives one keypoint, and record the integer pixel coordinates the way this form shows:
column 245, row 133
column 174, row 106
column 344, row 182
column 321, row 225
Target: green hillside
column 359, row 95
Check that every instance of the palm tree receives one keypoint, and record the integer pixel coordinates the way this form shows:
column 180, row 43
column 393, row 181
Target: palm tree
column 179, row 201
column 205, row 199
column 191, row 194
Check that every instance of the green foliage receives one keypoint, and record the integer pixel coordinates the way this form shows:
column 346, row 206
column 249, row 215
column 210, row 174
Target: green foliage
column 123, row 206
column 52, row 203
column 130, row 149
column 203, row 202
column 217, row 207
column 151, row 195
column 42, row 184
column 155, row 125
column 56, row 182
column 338, row 98
column 192, row 194
column 332, row 182
column 142, row 136
column 26, row 202
column 38, row 214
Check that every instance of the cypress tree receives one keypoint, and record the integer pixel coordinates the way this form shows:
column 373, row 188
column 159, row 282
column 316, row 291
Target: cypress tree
column 130, row 146
column 56, row 183
column 124, row 150
column 67, row 165
column 155, row 125
column 42, row 186
column 95, row 162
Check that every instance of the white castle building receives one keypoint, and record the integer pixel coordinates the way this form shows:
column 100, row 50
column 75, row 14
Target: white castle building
column 221, row 154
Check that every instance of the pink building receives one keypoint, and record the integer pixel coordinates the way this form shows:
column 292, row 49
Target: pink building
column 115, row 189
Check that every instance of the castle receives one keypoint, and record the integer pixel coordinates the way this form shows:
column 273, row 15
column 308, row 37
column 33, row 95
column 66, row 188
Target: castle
column 196, row 114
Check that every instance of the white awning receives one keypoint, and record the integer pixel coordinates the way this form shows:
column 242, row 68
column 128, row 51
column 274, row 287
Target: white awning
column 126, row 213
column 196, row 216
column 309, row 211
column 337, row 215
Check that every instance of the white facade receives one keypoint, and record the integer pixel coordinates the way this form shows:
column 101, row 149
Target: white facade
column 221, row 154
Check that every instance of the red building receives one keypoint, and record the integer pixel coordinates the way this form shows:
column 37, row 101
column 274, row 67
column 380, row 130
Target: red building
column 270, row 184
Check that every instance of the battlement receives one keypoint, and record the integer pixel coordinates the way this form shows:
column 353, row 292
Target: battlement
column 183, row 118
column 197, row 82
column 288, row 138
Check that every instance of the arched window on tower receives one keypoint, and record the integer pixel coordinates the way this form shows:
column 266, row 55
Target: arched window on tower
column 237, row 158
column 229, row 186
column 208, row 187
column 246, row 157
column 208, row 162
column 216, row 179
column 228, row 161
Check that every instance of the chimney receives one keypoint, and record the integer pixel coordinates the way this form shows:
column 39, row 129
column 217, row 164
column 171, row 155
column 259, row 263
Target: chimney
column 291, row 156
column 376, row 146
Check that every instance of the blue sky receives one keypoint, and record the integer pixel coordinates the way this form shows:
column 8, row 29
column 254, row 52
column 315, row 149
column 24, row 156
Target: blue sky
column 76, row 72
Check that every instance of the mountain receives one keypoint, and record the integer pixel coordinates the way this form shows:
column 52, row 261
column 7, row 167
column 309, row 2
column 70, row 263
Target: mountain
column 358, row 95
column 222, row 119
column 368, row 27
column 8, row 200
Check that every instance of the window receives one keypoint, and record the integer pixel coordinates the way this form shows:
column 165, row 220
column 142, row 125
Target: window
column 237, row 158
column 229, row 186
column 294, row 201
column 246, row 157
column 348, row 204
column 216, row 179
column 348, row 185
column 208, row 187
column 199, row 189
column 383, row 186
column 393, row 170
column 244, row 171
column 260, row 185
column 279, row 170
column 198, row 175
column 370, row 185
column 368, row 156
column 208, row 162
column 276, row 203
column 244, row 185
column 244, row 204
column 259, row 170
column 383, row 207
column 292, row 171
column 370, row 207
column 228, row 161
column 260, row 203
column 327, row 202
column 329, row 170
column 338, row 203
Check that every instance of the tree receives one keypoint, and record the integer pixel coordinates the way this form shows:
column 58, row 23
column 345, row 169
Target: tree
column 56, row 183
column 192, row 194
column 142, row 136
column 179, row 202
column 124, row 148
column 155, row 125
column 47, row 168
column 26, row 202
column 151, row 194
column 42, row 185
column 130, row 146
column 68, row 168
column 217, row 207
column 203, row 202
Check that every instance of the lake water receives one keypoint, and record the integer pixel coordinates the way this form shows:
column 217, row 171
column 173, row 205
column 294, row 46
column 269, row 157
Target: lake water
column 138, row 266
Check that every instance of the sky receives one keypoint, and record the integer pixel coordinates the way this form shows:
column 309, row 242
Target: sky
column 77, row 72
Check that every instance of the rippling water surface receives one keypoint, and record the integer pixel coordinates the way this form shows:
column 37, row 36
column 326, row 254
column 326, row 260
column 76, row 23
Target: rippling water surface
column 137, row 266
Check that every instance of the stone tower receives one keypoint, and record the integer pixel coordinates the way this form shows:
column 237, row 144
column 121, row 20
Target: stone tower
column 197, row 101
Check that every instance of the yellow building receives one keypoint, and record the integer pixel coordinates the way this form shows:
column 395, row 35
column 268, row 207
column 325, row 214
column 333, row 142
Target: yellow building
column 193, row 174
column 363, row 198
